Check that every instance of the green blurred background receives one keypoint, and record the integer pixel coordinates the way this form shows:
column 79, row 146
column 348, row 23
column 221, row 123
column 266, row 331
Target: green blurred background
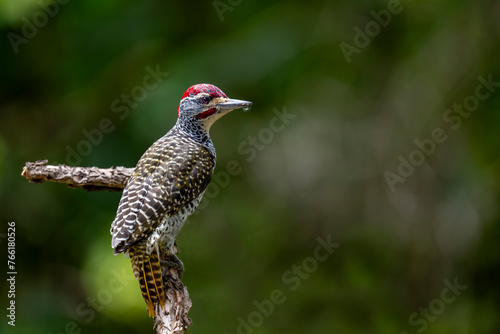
column 319, row 173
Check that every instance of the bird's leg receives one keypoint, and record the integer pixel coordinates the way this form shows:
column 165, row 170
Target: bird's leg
column 171, row 260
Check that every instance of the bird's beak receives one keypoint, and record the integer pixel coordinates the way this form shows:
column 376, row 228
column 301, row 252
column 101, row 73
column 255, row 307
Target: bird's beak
column 231, row 104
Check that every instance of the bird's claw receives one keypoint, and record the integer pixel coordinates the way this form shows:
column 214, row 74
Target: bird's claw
column 173, row 262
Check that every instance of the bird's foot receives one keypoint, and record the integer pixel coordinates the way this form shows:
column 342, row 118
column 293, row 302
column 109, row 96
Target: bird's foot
column 172, row 261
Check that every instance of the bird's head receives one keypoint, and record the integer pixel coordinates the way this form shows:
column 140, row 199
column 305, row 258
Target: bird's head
column 206, row 103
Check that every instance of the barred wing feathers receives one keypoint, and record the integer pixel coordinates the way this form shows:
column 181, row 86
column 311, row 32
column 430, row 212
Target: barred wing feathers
column 171, row 173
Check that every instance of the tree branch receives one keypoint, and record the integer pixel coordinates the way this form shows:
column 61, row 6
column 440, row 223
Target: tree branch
column 88, row 178
column 172, row 318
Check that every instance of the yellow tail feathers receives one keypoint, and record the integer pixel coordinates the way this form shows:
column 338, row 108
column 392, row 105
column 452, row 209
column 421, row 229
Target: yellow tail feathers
column 148, row 271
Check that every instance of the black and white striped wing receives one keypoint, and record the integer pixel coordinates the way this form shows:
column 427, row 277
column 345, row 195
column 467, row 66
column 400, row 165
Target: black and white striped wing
column 171, row 173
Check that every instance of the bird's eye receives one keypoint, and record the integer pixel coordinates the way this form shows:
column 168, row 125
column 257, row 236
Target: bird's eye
column 206, row 99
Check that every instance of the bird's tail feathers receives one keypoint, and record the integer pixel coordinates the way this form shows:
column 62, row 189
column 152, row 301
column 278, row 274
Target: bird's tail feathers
column 147, row 270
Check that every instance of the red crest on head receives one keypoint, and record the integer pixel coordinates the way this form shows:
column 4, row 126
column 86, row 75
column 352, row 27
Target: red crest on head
column 202, row 88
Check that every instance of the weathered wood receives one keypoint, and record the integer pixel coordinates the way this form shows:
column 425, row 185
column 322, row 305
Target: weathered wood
column 172, row 318
column 88, row 178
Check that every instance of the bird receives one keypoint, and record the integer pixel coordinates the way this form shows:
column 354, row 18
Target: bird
column 166, row 186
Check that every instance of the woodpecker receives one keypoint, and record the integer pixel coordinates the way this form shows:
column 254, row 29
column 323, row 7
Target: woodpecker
column 166, row 187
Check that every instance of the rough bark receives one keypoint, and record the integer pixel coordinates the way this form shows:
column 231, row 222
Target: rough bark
column 172, row 318
column 88, row 178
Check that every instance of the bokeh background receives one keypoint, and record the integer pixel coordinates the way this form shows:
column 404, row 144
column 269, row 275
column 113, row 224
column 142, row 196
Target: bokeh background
column 320, row 172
